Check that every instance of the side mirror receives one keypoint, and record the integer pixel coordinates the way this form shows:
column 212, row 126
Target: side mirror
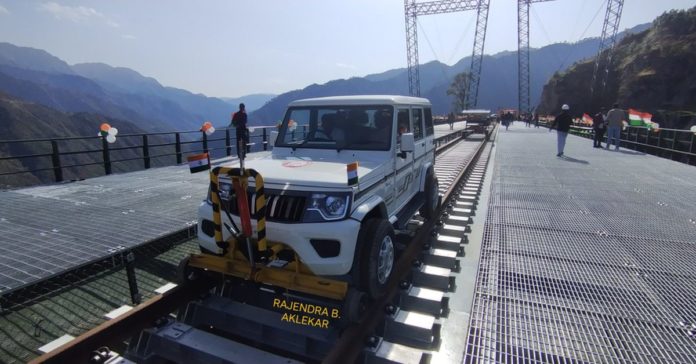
column 272, row 140
column 408, row 143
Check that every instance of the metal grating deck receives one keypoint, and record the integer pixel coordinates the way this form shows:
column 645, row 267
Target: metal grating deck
column 585, row 259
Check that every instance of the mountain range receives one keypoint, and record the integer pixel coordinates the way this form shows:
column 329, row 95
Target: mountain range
column 115, row 92
column 498, row 87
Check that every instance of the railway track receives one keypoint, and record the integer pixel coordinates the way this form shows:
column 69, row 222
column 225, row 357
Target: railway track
column 406, row 316
column 405, row 324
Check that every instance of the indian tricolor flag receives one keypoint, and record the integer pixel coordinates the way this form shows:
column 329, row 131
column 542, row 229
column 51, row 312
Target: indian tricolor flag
column 586, row 119
column 637, row 118
column 198, row 162
column 352, row 171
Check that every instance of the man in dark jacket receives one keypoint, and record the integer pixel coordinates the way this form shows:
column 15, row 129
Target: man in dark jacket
column 598, row 127
column 562, row 124
column 239, row 122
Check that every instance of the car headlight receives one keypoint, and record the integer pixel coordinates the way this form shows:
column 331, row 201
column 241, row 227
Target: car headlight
column 327, row 207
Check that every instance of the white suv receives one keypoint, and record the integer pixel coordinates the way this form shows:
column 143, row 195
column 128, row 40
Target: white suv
column 335, row 227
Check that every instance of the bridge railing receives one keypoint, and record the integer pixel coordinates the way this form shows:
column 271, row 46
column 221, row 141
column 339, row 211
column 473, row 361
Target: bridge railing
column 91, row 156
column 675, row 144
column 70, row 158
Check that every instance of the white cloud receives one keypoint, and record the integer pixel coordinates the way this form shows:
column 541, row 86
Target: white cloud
column 112, row 24
column 72, row 13
column 344, row 65
column 128, row 36
column 3, row 10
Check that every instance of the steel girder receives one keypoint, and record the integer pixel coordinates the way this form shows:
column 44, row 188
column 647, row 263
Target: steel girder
column 412, row 10
column 606, row 46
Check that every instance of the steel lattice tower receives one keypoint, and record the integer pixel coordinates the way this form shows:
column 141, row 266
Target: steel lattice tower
column 523, row 54
column 477, row 54
column 412, row 47
column 412, row 10
column 606, row 46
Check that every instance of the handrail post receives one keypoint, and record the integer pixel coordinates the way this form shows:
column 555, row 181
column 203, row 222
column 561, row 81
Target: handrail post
column 228, row 144
column 265, row 140
column 691, row 148
column 106, row 156
column 179, row 157
column 659, row 143
column 205, row 143
column 146, row 152
column 55, row 156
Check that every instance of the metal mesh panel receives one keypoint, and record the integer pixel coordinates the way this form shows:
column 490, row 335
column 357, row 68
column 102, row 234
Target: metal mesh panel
column 47, row 230
column 585, row 259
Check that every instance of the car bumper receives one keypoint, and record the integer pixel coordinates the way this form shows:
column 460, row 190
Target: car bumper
column 297, row 236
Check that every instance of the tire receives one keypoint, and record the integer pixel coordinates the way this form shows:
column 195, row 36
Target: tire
column 184, row 273
column 432, row 197
column 355, row 305
column 375, row 261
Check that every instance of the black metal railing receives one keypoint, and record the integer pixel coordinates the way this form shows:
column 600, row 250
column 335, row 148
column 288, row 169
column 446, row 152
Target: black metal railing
column 57, row 155
column 71, row 158
column 675, row 144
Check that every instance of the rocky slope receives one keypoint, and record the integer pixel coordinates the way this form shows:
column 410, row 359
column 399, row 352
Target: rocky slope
column 651, row 71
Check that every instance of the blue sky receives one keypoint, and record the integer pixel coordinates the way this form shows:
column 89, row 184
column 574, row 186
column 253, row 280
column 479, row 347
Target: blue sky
column 238, row 47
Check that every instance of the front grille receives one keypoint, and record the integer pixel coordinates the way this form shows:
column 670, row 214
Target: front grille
column 279, row 207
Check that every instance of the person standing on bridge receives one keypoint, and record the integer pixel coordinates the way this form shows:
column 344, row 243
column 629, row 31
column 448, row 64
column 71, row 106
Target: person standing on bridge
column 239, row 122
column 562, row 124
column 450, row 120
column 598, row 127
column 615, row 120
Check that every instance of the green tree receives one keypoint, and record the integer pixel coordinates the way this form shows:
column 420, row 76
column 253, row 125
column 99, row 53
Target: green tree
column 458, row 89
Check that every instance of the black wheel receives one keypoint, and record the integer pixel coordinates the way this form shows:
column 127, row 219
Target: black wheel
column 432, row 197
column 355, row 305
column 184, row 273
column 376, row 256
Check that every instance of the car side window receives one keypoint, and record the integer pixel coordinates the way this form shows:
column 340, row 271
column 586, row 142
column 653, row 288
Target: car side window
column 403, row 124
column 429, row 127
column 417, row 123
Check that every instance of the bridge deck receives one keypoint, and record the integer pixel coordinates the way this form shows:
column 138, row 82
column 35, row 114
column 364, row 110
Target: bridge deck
column 48, row 230
column 587, row 258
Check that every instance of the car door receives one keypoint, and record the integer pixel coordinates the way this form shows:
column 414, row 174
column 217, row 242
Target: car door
column 419, row 154
column 429, row 135
column 403, row 163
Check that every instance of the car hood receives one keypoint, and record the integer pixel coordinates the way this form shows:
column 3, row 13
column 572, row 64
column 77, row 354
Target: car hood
column 309, row 172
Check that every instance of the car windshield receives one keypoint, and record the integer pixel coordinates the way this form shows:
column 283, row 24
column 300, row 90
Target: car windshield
column 337, row 127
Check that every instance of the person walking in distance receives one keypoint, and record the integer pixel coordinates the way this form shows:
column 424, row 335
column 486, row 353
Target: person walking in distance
column 536, row 119
column 450, row 120
column 239, row 122
column 615, row 120
column 598, row 128
column 562, row 124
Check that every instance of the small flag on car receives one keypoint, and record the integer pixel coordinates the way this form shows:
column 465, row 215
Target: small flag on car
column 352, row 171
column 198, row 162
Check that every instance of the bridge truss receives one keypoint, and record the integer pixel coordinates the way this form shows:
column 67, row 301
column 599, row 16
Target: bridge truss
column 606, row 46
column 602, row 60
column 523, row 54
column 413, row 9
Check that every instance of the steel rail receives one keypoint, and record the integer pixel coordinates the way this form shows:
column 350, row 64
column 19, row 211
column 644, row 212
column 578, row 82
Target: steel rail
column 349, row 345
column 140, row 317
